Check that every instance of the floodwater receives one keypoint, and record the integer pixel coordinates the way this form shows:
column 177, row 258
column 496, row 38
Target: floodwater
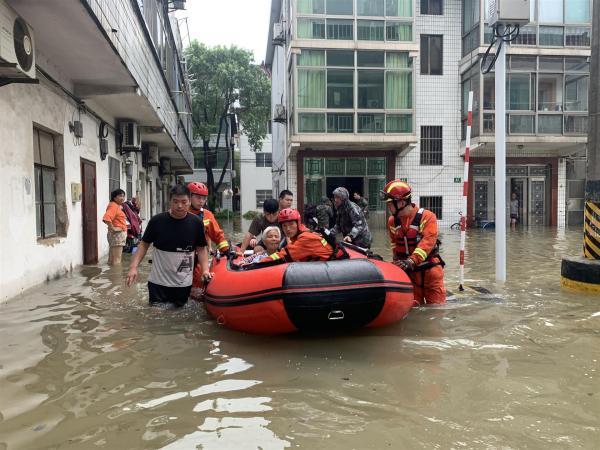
column 84, row 363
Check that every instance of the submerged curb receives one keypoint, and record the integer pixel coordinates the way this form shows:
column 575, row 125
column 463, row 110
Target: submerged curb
column 580, row 274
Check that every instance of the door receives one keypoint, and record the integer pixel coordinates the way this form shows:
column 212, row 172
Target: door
column 518, row 186
column 89, row 212
column 537, row 201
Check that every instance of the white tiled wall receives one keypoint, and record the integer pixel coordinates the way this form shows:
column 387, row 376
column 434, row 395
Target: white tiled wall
column 438, row 101
column 562, row 190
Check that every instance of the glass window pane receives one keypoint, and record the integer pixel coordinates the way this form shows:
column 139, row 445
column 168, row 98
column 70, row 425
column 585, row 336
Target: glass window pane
column 311, row 88
column 340, row 29
column 311, row 58
column 398, row 8
column 370, row 123
column 36, row 147
column 38, row 219
column 311, row 6
column 370, row 30
column 344, row 58
column 527, row 63
column 470, row 15
column 432, row 7
column 398, row 123
column 340, row 123
column 370, row 59
column 370, row 89
column 340, row 7
column 376, row 166
column 398, row 90
column 550, row 124
column 578, row 36
column 369, row 7
column 46, row 149
column 520, row 124
column 49, row 219
column 551, row 64
column 398, row 60
column 38, row 183
column 335, row 166
column 550, row 92
column 577, row 65
column 489, row 91
column 527, row 36
column 398, row 31
column 577, row 11
column 311, row 123
column 311, row 28
column 48, row 179
column 356, row 166
column 553, row 36
column 519, row 95
column 435, row 55
column 340, row 92
column 313, row 166
column 576, row 92
column 550, row 11
column 576, row 124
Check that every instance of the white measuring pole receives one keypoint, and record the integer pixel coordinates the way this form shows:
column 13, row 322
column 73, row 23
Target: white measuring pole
column 463, row 215
column 500, row 161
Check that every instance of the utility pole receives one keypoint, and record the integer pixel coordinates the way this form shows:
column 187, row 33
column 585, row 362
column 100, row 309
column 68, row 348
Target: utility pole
column 500, row 159
column 583, row 274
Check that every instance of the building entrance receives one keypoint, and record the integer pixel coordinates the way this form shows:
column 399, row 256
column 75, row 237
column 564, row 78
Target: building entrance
column 353, row 184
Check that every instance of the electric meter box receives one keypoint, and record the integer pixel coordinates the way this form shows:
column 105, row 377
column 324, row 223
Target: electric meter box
column 509, row 12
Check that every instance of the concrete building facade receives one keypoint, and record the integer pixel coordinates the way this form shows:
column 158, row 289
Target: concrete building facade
column 256, row 184
column 99, row 64
column 364, row 91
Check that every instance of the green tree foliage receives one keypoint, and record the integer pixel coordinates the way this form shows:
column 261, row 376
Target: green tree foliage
column 226, row 84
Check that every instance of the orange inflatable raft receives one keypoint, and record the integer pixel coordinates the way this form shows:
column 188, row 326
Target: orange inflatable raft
column 338, row 295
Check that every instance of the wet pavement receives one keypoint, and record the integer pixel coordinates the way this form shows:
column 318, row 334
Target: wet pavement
column 84, row 363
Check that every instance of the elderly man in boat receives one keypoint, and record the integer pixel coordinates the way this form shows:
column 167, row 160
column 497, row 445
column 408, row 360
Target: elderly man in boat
column 302, row 244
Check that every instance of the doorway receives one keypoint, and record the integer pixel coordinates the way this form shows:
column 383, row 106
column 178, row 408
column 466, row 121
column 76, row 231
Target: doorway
column 89, row 212
column 353, row 184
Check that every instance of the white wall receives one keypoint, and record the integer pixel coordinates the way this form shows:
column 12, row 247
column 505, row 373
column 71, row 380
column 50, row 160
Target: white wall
column 253, row 178
column 279, row 136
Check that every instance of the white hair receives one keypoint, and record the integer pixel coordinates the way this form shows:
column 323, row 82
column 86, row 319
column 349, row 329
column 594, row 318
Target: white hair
column 269, row 229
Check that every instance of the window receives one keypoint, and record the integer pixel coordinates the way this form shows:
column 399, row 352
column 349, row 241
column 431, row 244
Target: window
column 431, row 145
column 340, row 7
column 398, row 123
column 552, row 36
column 370, row 30
column 114, row 174
column 398, row 8
column 340, row 89
column 261, row 196
column 432, row 7
column 311, row 6
column 369, row 7
column 311, row 88
column 370, row 89
column 370, row 123
column 576, row 92
column 398, row 88
column 340, row 29
column 311, row 28
column 433, row 204
column 398, row 31
column 431, row 54
column 577, row 11
column 340, row 58
column 216, row 158
column 578, row 36
column 520, row 92
column 44, row 166
column 264, row 159
column 311, row 123
column 340, row 123
column 550, row 92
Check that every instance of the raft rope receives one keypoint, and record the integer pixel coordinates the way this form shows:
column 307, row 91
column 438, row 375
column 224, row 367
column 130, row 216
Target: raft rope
column 463, row 214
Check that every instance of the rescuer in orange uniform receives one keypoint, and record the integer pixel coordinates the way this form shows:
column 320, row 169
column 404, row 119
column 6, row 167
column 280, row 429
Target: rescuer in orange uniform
column 212, row 230
column 414, row 235
column 302, row 244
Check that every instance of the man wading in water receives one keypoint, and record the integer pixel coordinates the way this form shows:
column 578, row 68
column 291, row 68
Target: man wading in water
column 176, row 235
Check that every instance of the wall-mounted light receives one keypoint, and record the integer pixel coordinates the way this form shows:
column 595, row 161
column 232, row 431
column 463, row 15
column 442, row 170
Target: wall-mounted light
column 103, row 140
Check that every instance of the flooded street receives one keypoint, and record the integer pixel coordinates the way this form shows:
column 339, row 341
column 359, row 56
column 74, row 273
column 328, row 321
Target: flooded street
column 85, row 363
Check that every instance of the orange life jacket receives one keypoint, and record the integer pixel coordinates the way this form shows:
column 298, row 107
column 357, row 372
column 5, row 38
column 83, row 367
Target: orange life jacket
column 406, row 241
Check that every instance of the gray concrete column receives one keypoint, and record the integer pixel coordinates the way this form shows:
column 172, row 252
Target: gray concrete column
column 592, row 188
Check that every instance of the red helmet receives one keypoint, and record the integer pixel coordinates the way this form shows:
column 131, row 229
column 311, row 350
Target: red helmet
column 396, row 190
column 197, row 188
column 287, row 215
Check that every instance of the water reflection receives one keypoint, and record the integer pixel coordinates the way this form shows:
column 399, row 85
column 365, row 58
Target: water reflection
column 85, row 363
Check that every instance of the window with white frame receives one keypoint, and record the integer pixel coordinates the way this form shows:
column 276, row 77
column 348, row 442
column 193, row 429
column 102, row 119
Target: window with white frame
column 264, row 159
column 432, row 203
column 431, row 146
column 44, row 163
column 262, row 195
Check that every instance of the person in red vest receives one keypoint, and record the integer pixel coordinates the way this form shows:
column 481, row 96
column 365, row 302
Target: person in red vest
column 212, row 229
column 302, row 244
column 415, row 245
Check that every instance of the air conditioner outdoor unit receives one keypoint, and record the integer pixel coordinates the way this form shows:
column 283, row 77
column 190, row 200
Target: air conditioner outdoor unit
column 17, row 46
column 279, row 114
column 278, row 33
column 153, row 155
column 130, row 136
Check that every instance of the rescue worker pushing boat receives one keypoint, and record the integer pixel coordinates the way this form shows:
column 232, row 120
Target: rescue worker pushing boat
column 415, row 245
column 302, row 244
column 212, row 229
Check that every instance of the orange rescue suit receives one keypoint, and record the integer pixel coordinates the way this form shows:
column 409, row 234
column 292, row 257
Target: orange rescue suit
column 306, row 246
column 416, row 237
column 212, row 231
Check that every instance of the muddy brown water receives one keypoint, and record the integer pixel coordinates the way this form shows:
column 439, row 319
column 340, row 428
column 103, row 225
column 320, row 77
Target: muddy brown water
column 84, row 363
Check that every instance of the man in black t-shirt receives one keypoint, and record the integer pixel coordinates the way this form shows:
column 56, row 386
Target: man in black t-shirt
column 176, row 236
column 260, row 223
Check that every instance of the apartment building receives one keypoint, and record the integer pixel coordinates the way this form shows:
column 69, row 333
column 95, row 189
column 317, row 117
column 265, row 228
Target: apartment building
column 97, row 99
column 256, row 183
column 369, row 90
column 546, row 101
column 365, row 91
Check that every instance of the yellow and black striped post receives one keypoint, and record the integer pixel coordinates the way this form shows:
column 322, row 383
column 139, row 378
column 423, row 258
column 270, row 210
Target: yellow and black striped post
column 591, row 231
